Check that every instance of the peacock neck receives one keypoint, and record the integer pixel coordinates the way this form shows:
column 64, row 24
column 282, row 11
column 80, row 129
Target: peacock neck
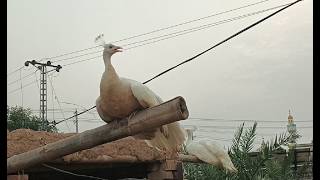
column 109, row 71
column 107, row 61
column 110, row 77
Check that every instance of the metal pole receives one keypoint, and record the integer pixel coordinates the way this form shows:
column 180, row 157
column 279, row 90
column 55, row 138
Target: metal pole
column 43, row 88
column 43, row 95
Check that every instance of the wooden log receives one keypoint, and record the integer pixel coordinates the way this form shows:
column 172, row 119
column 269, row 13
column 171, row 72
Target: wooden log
column 165, row 113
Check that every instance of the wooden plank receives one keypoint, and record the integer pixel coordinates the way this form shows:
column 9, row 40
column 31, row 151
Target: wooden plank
column 165, row 113
column 18, row 177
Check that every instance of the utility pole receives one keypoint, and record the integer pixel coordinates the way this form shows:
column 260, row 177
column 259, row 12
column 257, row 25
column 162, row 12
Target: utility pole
column 77, row 124
column 43, row 86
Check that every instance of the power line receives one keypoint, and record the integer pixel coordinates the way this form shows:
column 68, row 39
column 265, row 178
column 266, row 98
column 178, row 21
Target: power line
column 80, row 107
column 157, row 30
column 20, row 78
column 165, row 28
column 74, row 52
column 22, row 87
column 35, row 75
column 52, row 110
column 52, row 98
column 78, row 56
column 231, row 127
column 174, row 34
column 197, row 28
column 221, row 42
column 58, row 101
column 219, row 139
column 82, row 60
column 71, row 173
column 36, row 81
column 248, row 120
column 194, row 20
column 22, row 67
column 14, row 71
column 230, row 132
column 74, row 115
column 225, row 40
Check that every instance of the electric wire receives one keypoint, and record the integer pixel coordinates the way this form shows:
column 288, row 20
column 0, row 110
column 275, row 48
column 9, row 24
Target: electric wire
column 187, row 22
column 147, row 33
column 15, row 81
column 174, row 34
column 58, row 103
column 221, row 42
column 26, row 85
column 14, row 71
column 35, row 75
column 165, row 28
column 197, row 28
column 247, row 120
column 21, row 89
column 71, row 173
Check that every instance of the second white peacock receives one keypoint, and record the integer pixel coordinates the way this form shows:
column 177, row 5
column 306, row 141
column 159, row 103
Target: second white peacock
column 209, row 152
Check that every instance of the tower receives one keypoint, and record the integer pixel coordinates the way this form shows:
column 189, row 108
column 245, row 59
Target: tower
column 292, row 130
column 43, row 93
column 43, row 86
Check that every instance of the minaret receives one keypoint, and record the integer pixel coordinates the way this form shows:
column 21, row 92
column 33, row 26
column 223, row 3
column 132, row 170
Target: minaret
column 291, row 127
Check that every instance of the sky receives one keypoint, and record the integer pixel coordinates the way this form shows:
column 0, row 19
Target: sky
column 259, row 75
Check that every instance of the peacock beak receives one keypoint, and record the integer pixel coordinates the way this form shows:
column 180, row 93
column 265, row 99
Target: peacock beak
column 118, row 49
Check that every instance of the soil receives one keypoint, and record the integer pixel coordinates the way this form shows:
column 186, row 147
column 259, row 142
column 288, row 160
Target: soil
column 22, row 140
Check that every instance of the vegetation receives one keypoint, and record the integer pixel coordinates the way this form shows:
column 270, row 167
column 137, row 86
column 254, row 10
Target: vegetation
column 264, row 166
column 18, row 117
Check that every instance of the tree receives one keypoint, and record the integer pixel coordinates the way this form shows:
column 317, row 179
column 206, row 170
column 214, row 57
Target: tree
column 18, row 117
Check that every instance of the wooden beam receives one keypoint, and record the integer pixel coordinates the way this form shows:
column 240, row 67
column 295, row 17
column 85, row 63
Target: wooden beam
column 165, row 113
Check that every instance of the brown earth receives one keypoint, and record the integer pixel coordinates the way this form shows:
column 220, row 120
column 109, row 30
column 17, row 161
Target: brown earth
column 22, row 140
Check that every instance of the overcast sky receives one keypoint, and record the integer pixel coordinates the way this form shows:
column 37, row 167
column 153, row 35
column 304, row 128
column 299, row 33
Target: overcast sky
column 259, row 75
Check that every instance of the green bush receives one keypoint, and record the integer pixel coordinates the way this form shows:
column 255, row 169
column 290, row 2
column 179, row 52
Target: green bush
column 18, row 118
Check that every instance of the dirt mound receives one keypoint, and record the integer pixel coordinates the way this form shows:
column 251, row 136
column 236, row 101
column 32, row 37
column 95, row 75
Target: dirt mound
column 22, row 140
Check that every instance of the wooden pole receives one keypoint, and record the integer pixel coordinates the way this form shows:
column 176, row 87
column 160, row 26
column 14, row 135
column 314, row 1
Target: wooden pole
column 165, row 113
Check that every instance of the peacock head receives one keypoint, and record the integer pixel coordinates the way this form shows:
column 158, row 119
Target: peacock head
column 111, row 49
